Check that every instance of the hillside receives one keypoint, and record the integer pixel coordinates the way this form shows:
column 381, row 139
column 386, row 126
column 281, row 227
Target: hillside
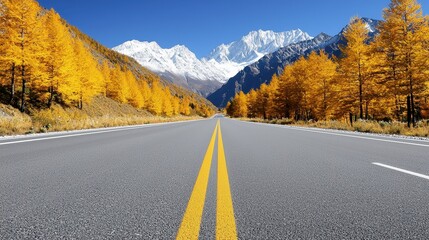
column 54, row 65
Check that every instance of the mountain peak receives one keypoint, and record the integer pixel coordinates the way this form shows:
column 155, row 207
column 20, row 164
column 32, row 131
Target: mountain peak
column 251, row 47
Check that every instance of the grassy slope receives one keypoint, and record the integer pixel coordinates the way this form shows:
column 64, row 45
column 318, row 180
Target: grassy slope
column 102, row 112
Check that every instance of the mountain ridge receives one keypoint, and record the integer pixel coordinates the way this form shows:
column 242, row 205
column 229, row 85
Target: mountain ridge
column 180, row 65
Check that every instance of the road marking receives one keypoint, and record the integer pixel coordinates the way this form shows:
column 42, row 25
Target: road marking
column 402, row 170
column 343, row 135
column 225, row 220
column 116, row 129
column 190, row 227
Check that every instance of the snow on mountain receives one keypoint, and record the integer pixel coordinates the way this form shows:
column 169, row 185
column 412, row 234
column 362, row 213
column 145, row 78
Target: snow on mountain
column 180, row 65
column 178, row 60
column 255, row 45
column 223, row 62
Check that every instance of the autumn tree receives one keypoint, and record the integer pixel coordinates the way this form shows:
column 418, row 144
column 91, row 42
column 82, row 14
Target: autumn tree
column 355, row 67
column 262, row 99
column 24, row 43
column 404, row 37
column 89, row 78
column 240, row 105
column 272, row 95
column 105, row 71
column 145, row 92
column 252, row 103
column 167, row 106
column 156, row 101
column 59, row 61
column 184, row 108
column 321, row 75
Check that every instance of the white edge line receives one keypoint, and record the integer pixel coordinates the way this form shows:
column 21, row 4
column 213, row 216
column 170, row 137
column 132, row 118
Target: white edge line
column 94, row 131
column 402, row 170
column 343, row 135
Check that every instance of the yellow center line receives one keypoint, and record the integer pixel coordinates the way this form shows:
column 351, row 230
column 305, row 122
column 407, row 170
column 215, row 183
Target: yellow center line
column 190, row 227
column 225, row 220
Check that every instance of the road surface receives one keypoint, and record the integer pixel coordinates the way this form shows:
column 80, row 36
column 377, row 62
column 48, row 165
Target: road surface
column 213, row 178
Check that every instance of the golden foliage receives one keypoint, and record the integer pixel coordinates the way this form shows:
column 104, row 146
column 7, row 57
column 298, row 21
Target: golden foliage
column 371, row 80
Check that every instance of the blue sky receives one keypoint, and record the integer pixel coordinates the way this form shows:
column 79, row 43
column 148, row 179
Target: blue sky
column 202, row 25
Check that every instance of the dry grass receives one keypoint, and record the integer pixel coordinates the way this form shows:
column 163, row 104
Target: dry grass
column 391, row 128
column 101, row 113
column 13, row 122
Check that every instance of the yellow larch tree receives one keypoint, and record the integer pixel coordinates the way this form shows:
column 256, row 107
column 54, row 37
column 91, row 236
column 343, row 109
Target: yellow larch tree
column 59, row 60
column 24, row 43
column 240, row 105
column 184, row 108
column 355, row 68
column 155, row 101
column 175, row 102
column 167, row 106
column 262, row 100
column 145, row 92
column 404, row 37
column 322, row 73
column 106, row 72
column 88, row 75
column 252, row 103
column 273, row 94
column 134, row 95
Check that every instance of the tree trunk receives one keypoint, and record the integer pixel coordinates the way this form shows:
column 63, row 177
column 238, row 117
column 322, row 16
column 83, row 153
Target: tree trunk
column 366, row 110
column 23, row 89
column 412, row 109
column 398, row 109
column 51, row 97
column 409, row 111
column 12, row 84
column 360, row 93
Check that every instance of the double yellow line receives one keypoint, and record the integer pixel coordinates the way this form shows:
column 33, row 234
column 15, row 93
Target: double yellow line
column 225, row 220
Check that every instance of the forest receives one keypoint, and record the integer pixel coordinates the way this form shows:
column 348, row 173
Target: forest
column 45, row 61
column 384, row 78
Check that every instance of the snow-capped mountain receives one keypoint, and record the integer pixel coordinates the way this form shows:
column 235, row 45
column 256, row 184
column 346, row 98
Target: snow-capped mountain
column 180, row 65
column 262, row 71
column 255, row 45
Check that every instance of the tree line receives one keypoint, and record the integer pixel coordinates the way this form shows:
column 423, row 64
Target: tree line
column 385, row 77
column 43, row 60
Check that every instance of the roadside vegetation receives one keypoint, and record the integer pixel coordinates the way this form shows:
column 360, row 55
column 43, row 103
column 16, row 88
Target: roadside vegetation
column 102, row 112
column 366, row 126
column 379, row 84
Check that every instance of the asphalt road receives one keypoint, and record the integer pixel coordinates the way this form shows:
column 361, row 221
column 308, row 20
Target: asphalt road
column 282, row 183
